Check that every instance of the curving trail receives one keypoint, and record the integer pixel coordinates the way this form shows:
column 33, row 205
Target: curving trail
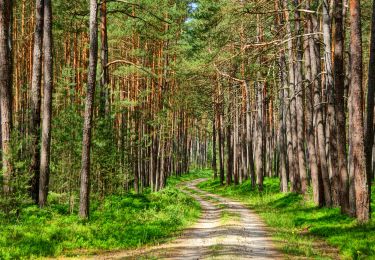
column 226, row 230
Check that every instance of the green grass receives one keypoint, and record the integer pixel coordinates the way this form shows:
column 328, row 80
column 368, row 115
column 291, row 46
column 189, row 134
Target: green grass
column 298, row 225
column 118, row 222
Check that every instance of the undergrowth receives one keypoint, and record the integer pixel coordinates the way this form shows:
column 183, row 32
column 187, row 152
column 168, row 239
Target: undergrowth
column 117, row 222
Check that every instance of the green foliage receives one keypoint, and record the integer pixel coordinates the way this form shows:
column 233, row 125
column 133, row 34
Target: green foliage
column 298, row 225
column 66, row 149
column 12, row 204
column 119, row 222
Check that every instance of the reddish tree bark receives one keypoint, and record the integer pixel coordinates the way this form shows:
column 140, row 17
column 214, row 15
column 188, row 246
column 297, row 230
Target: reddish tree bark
column 356, row 120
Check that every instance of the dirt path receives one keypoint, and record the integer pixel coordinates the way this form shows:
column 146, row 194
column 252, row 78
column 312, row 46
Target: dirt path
column 226, row 230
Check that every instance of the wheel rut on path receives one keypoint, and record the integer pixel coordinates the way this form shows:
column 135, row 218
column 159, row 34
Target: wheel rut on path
column 225, row 230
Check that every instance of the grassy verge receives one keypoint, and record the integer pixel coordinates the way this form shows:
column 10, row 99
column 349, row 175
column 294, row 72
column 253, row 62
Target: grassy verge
column 298, row 225
column 118, row 222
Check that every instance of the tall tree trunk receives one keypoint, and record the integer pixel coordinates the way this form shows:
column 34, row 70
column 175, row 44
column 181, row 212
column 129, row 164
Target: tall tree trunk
column 6, row 91
column 221, row 143
column 339, row 76
column 249, row 143
column 282, row 119
column 356, row 116
column 84, row 203
column 47, row 104
column 230, row 155
column 318, row 111
column 104, row 81
column 369, row 144
column 299, row 101
column 331, row 127
column 235, row 142
column 310, row 130
column 36, row 99
column 214, row 138
column 259, row 137
column 291, row 116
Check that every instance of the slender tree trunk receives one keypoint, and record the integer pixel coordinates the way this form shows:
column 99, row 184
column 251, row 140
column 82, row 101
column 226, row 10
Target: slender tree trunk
column 249, row 143
column 47, row 104
column 104, row 60
column 230, row 155
column 369, row 138
column 6, row 91
column 299, row 101
column 339, row 76
column 310, row 130
column 214, row 165
column 318, row 111
column 282, row 132
column 331, row 116
column 352, row 200
column 36, row 99
column 356, row 117
column 235, row 143
column 291, row 116
column 221, row 145
column 259, row 138
column 84, row 203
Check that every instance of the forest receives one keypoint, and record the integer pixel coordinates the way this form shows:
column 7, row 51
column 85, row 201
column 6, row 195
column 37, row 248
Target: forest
column 187, row 129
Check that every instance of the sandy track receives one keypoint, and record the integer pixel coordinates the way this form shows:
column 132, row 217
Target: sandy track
column 226, row 230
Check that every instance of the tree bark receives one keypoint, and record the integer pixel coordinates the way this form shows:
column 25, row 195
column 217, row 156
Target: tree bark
column 339, row 76
column 259, row 137
column 291, row 117
column 221, row 143
column 249, row 142
column 36, row 99
column 310, row 130
column 299, row 101
column 331, row 127
column 369, row 137
column 230, row 155
column 214, row 138
column 104, row 81
column 282, row 119
column 47, row 105
column 6, row 91
column 84, row 203
column 356, row 116
column 318, row 111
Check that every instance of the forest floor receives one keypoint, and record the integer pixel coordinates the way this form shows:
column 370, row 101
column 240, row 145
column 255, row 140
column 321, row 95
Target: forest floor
column 225, row 230
column 122, row 221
